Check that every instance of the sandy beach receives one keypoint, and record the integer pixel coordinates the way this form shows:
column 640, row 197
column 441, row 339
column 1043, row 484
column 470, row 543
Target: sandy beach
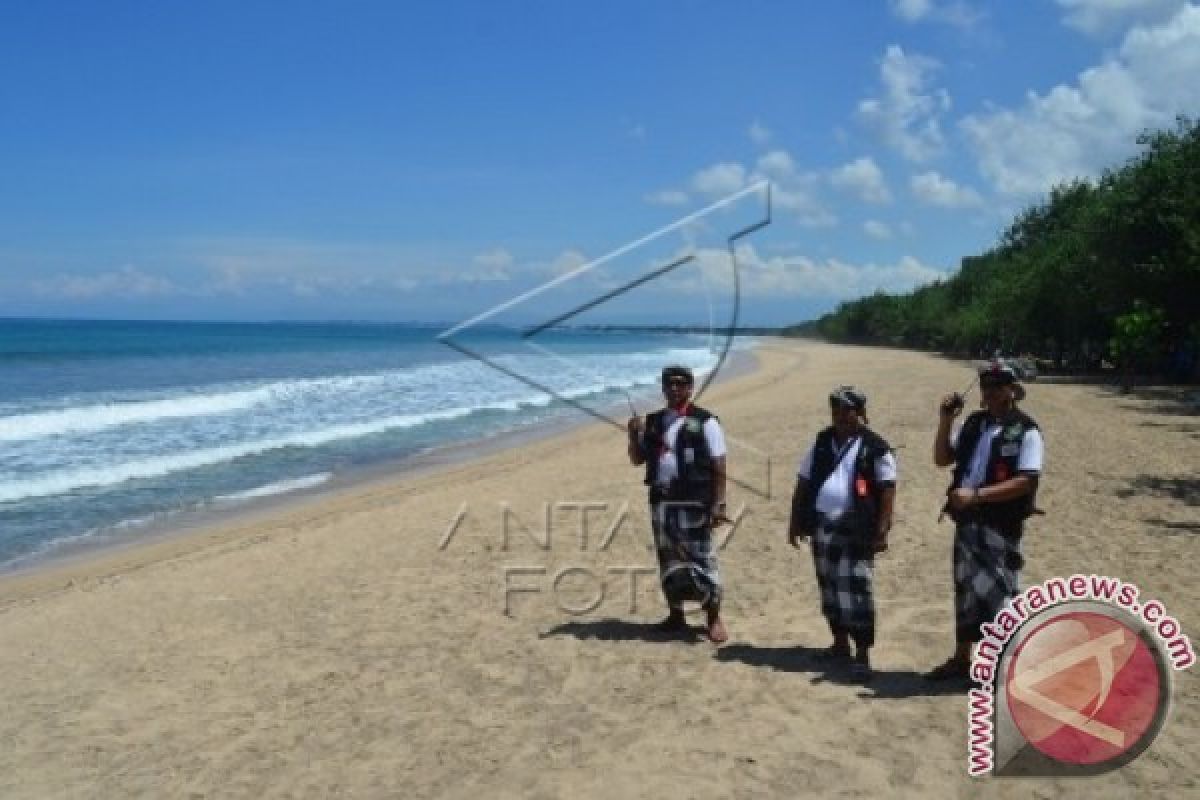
column 364, row 644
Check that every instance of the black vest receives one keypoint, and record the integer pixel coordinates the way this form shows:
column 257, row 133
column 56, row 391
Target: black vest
column 1001, row 465
column 694, row 482
column 866, row 506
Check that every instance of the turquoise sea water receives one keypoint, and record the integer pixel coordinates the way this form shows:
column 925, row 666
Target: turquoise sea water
column 106, row 427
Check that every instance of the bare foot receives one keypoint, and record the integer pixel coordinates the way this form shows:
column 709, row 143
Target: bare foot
column 716, row 630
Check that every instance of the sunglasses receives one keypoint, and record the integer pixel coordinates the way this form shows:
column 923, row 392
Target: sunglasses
column 677, row 382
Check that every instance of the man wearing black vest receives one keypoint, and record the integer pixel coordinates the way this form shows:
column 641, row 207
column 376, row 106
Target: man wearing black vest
column 683, row 449
column 845, row 491
column 997, row 458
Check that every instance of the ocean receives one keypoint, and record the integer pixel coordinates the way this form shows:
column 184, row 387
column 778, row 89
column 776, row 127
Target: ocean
column 108, row 429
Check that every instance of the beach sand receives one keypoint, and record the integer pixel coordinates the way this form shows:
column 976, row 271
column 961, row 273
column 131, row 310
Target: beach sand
column 346, row 647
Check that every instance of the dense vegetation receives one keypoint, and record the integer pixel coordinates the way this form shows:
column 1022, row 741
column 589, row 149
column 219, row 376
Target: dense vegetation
column 1106, row 270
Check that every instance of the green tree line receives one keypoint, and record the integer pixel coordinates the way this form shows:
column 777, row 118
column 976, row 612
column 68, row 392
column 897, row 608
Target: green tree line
column 1108, row 270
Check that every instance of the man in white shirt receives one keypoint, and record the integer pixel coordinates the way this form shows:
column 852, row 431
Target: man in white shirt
column 997, row 459
column 845, row 492
column 683, row 450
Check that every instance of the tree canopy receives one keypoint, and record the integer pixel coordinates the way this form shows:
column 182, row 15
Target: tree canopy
column 1065, row 271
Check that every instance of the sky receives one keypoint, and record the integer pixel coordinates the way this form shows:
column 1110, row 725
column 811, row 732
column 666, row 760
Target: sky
column 424, row 162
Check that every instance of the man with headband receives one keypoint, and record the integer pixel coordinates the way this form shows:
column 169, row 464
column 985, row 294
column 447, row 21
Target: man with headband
column 845, row 492
column 683, row 450
column 997, row 458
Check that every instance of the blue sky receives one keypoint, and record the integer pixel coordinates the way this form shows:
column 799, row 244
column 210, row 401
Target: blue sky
column 392, row 161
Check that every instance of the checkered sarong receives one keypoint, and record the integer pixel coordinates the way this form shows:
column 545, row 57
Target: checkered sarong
column 986, row 574
column 844, row 569
column 687, row 559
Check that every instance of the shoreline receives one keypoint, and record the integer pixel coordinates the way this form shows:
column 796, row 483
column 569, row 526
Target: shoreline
column 180, row 533
column 367, row 640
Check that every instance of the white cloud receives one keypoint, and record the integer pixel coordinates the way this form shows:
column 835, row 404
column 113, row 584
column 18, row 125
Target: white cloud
column 244, row 266
column 486, row 267
column 777, row 164
column 907, row 114
column 933, row 189
column 796, row 193
column 1102, row 17
column 229, row 280
column 128, row 282
column 911, row 10
column 344, row 285
column 496, row 258
column 567, row 261
column 877, row 230
column 864, row 178
column 483, row 275
column 796, row 197
column 238, row 263
column 719, row 179
column 759, row 133
column 801, row 276
column 668, row 197
column 816, row 218
column 792, row 190
column 248, row 268
column 1075, row 131
column 807, row 212
column 958, row 13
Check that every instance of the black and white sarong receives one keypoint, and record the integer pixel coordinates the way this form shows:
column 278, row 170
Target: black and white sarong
column 687, row 559
column 986, row 575
column 845, row 566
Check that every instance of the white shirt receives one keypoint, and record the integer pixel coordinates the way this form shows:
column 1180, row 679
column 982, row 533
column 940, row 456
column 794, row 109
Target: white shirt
column 834, row 497
column 1029, row 458
column 668, row 464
